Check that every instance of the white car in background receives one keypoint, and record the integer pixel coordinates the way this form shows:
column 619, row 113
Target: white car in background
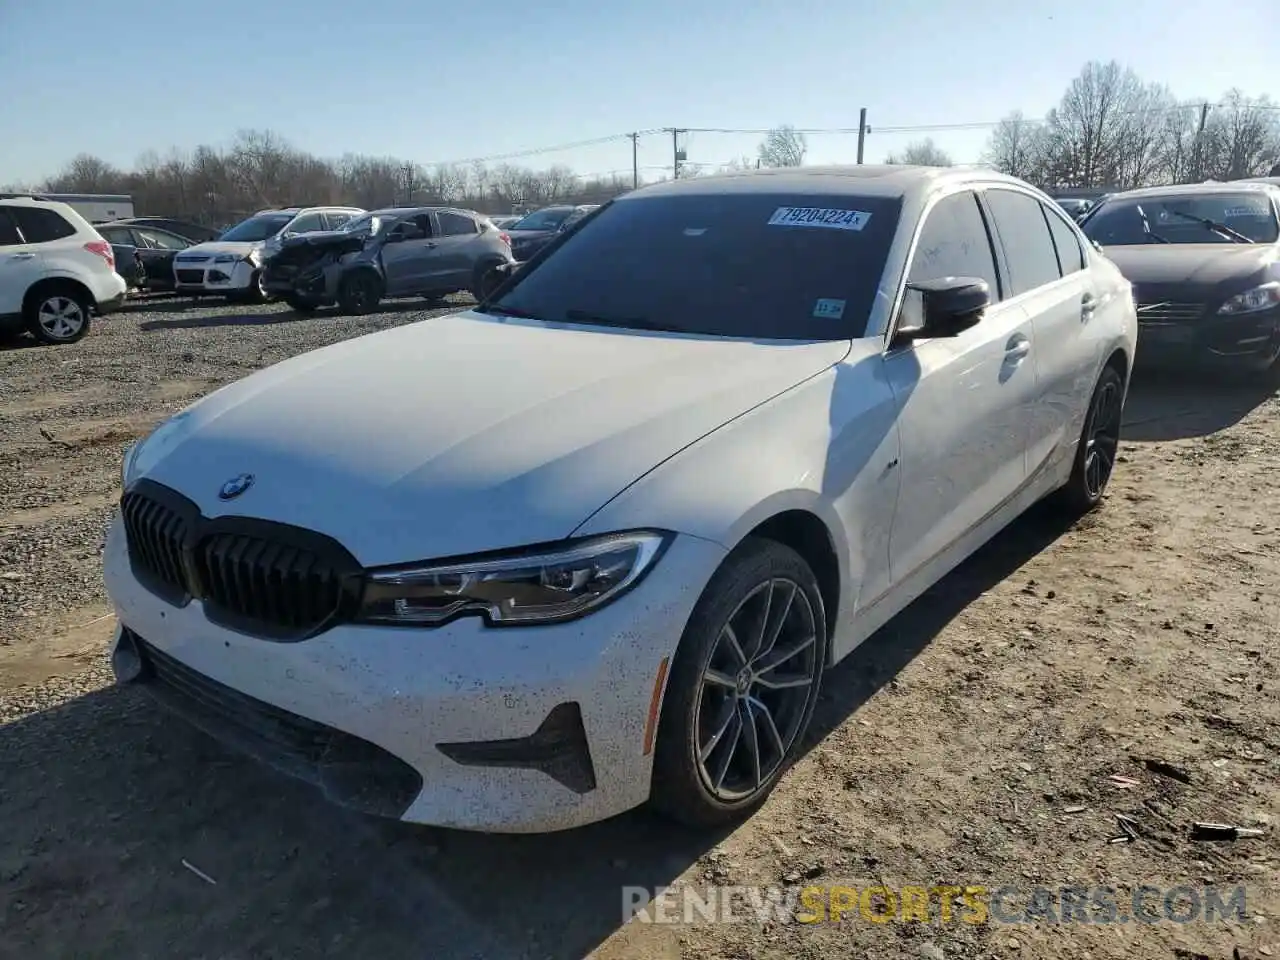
column 231, row 266
column 56, row 271
column 595, row 541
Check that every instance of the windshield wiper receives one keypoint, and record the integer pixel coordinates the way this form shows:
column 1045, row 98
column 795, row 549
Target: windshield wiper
column 1146, row 226
column 1219, row 228
column 636, row 323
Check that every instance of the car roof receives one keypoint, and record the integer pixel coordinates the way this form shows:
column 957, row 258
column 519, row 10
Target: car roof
column 867, row 180
column 1182, row 190
column 411, row 211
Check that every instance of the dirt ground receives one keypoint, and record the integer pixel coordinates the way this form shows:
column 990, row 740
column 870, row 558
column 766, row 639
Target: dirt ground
column 988, row 736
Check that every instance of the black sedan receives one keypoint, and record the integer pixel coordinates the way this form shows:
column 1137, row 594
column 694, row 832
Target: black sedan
column 535, row 230
column 152, row 248
column 195, row 232
column 1204, row 261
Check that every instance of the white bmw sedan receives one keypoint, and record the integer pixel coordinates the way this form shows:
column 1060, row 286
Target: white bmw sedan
column 593, row 542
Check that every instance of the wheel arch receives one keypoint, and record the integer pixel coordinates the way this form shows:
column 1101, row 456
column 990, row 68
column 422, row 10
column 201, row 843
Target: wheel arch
column 49, row 285
column 808, row 535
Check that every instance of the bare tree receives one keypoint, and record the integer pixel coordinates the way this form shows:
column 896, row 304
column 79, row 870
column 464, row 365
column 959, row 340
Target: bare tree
column 783, row 146
column 1243, row 135
column 1017, row 147
column 921, row 153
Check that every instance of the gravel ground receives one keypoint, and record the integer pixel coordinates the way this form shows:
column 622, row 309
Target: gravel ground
column 975, row 740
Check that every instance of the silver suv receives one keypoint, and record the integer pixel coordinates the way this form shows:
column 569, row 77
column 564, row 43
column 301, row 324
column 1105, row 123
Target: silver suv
column 398, row 252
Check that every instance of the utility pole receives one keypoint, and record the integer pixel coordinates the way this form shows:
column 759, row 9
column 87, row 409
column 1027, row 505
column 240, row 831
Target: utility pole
column 635, row 160
column 862, row 132
column 1199, row 146
column 676, row 152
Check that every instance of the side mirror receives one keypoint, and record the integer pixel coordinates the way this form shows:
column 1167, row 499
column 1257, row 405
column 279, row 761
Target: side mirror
column 951, row 305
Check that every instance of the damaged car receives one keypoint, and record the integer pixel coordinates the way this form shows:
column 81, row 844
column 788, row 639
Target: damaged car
column 427, row 252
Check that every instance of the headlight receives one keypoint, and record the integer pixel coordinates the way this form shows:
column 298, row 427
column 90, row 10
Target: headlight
column 147, row 452
column 1262, row 297
column 225, row 258
column 255, row 257
column 126, row 463
column 537, row 587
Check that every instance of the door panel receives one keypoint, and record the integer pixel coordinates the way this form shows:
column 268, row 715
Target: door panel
column 961, row 400
column 407, row 264
column 962, row 424
column 1045, row 258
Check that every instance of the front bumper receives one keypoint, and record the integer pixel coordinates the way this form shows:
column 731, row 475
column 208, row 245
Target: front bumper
column 1213, row 341
column 486, row 720
column 307, row 284
column 212, row 276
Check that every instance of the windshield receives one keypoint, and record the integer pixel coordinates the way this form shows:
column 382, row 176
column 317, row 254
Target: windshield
column 1189, row 218
column 256, row 229
column 746, row 265
column 549, row 219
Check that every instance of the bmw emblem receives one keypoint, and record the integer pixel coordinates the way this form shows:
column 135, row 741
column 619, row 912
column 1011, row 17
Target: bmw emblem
column 235, row 486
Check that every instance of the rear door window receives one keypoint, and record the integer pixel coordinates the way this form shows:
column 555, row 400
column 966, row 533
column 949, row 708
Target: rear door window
column 768, row 265
column 456, row 224
column 9, row 236
column 1024, row 235
column 41, row 226
column 1070, row 255
column 307, row 223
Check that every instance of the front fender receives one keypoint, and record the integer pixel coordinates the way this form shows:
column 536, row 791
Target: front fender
column 820, row 447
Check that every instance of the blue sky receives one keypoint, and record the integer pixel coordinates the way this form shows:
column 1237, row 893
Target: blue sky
column 447, row 81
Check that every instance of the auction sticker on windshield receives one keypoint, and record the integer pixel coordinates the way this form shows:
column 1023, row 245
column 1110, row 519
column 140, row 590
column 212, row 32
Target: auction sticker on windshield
column 819, row 217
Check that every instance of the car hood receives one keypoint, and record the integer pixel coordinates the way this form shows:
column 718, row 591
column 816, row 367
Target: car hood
column 464, row 433
column 215, row 247
column 1192, row 271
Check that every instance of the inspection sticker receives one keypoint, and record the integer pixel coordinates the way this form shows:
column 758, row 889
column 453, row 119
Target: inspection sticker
column 828, row 309
column 819, row 217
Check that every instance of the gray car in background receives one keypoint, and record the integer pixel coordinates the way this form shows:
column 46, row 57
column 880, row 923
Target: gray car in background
column 398, row 252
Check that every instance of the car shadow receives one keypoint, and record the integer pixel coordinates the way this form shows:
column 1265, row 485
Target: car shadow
column 161, row 302
column 101, row 830
column 1165, row 406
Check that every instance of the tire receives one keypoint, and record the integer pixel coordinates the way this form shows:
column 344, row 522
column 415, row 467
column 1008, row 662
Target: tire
column 302, row 306
column 58, row 315
column 256, row 293
column 483, row 279
column 359, row 293
column 1096, row 452
column 684, row 786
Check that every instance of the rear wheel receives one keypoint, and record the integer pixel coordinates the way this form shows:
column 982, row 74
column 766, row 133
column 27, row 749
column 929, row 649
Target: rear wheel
column 58, row 315
column 359, row 292
column 742, row 687
column 1099, row 443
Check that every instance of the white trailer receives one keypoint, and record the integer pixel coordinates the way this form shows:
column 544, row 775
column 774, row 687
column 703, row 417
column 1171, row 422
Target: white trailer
column 96, row 207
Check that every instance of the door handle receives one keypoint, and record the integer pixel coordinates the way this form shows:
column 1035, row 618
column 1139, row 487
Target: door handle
column 1018, row 349
column 431, row 244
column 23, row 256
column 1088, row 303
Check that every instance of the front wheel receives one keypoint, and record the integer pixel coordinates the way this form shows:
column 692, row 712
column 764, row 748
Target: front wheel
column 1098, row 447
column 359, row 293
column 742, row 688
